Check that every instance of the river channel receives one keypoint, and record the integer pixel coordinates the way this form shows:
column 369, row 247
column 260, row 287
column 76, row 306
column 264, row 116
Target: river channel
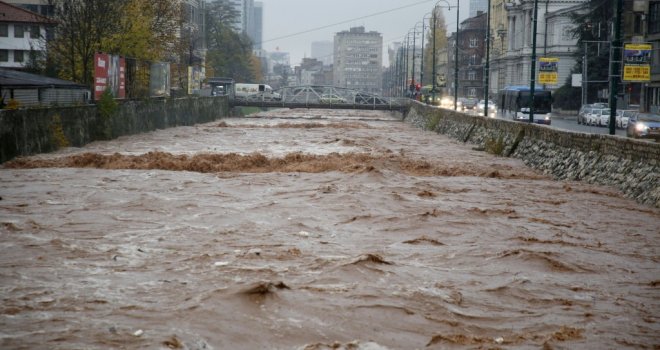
column 314, row 229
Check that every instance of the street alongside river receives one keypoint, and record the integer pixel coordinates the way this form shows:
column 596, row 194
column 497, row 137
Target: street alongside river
column 317, row 229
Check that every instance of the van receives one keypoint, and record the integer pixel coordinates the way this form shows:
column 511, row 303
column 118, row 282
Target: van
column 260, row 92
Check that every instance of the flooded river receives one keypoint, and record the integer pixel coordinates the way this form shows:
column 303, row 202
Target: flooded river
column 316, row 229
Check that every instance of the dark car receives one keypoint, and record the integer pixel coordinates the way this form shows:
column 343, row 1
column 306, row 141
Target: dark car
column 644, row 125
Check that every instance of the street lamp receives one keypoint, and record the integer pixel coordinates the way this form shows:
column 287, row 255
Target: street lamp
column 421, row 76
column 455, row 52
column 487, row 82
column 414, row 57
column 435, row 7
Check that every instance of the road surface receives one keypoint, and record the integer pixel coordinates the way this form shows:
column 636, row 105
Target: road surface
column 315, row 229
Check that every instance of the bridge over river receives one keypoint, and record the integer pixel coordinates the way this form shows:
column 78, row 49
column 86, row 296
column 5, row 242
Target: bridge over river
column 317, row 229
column 323, row 97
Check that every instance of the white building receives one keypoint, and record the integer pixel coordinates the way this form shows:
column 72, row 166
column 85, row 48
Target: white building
column 358, row 60
column 22, row 35
column 553, row 40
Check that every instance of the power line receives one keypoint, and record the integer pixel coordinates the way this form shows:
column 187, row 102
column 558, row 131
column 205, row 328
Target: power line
column 344, row 22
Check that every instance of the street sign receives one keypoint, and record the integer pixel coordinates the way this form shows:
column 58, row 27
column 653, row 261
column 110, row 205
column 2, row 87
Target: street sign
column 637, row 62
column 548, row 70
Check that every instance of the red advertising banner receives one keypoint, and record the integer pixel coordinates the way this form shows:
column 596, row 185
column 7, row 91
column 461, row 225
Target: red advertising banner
column 101, row 64
column 109, row 74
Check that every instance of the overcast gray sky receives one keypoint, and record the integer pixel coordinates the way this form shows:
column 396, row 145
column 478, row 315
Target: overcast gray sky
column 286, row 17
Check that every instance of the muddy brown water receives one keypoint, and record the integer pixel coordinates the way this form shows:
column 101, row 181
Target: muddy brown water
column 317, row 230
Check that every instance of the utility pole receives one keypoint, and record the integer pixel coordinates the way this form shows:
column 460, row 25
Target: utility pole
column 532, row 81
column 434, row 54
column 615, row 70
column 487, row 71
column 456, row 60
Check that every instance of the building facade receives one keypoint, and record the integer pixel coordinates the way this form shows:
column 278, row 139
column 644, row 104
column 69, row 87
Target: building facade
column 358, row 60
column 22, row 36
column 471, row 58
column 256, row 25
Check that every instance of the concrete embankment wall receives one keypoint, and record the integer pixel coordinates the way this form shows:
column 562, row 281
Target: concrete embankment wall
column 632, row 166
column 39, row 130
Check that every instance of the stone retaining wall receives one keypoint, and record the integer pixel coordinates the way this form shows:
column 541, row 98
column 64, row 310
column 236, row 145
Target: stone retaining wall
column 39, row 130
column 632, row 166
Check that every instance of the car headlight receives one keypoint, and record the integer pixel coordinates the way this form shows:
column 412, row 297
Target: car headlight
column 641, row 126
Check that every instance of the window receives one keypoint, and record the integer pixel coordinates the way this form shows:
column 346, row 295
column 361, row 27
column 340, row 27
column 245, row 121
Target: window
column 19, row 31
column 4, row 56
column 18, row 55
column 473, row 42
column 472, row 75
column 4, row 30
column 34, row 32
column 654, row 17
column 473, row 60
column 472, row 92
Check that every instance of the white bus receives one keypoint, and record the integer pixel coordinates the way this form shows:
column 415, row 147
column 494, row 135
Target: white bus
column 513, row 102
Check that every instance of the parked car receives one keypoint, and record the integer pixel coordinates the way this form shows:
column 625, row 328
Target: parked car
column 594, row 116
column 332, row 99
column 582, row 114
column 586, row 109
column 644, row 125
column 622, row 117
column 604, row 117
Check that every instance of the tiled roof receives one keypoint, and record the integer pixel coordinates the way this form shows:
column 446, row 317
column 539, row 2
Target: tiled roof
column 11, row 13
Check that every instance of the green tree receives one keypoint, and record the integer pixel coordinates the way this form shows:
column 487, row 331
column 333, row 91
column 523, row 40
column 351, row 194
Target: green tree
column 593, row 24
column 229, row 53
column 440, row 43
column 82, row 27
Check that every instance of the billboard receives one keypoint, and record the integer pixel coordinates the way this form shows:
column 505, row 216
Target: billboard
column 548, row 70
column 109, row 74
column 637, row 62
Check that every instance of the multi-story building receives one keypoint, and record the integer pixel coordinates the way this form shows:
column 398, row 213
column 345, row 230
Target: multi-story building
column 313, row 72
column 651, row 91
column 553, row 40
column 22, row 35
column 471, row 57
column 193, row 31
column 255, row 25
column 358, row 60
column 498, row 44
column 322, row 51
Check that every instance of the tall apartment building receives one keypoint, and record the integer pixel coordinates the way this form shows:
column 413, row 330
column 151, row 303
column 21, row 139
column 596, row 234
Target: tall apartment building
column 249, row 20
column 358, row 60
column 323, row 51
column 256, row 25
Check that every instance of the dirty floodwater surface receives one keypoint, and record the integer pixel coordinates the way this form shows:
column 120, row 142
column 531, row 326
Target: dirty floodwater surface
column 309, row 229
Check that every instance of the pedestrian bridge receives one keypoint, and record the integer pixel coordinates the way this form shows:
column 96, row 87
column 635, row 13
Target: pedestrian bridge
column 328, row 97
